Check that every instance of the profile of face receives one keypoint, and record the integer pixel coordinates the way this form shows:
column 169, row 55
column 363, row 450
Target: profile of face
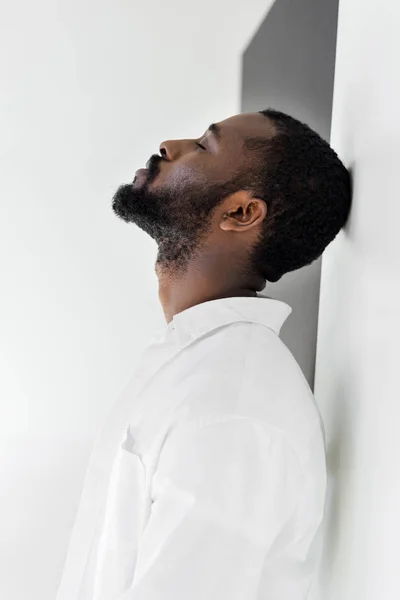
column 175, row 197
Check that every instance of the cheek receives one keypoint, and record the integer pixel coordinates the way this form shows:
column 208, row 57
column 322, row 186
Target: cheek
column 177, row 176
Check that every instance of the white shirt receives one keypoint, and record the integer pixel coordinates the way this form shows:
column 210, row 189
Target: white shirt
column 207, row 480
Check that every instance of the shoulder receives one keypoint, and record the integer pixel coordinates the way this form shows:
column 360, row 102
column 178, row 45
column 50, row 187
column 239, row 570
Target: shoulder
column 246, row 371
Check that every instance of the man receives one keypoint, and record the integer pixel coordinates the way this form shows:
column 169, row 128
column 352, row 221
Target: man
column 208, row 479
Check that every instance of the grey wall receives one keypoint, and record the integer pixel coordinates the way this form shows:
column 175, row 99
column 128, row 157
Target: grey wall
column 289, row 65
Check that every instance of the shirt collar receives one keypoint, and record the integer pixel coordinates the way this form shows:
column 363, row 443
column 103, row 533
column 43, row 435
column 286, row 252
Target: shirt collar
column 202, row 318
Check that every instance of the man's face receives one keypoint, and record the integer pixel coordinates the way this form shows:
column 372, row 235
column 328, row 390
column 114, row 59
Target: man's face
column 174, row 198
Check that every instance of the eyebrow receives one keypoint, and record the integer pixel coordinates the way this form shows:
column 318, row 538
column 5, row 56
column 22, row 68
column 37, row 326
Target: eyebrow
column 216, row 130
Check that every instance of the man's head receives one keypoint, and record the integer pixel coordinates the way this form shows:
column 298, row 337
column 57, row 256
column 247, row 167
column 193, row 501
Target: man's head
column 260, row 190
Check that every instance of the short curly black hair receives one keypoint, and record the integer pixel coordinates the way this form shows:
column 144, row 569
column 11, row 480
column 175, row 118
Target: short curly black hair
column 308, row 194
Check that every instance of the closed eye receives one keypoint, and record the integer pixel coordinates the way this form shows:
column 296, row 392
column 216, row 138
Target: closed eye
column 200, row 146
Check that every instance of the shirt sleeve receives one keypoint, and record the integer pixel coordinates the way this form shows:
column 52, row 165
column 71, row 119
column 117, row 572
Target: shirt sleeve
column 222, row 494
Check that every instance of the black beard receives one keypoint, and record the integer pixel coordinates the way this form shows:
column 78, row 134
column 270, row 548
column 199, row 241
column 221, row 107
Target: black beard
column 178, row 221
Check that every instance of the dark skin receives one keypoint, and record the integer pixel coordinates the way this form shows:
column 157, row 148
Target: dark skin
column 196, row 200
column 215, row 267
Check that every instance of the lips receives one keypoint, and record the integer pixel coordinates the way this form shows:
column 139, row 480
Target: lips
column 152, row 168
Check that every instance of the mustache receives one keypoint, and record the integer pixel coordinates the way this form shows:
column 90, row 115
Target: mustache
column 153, row 166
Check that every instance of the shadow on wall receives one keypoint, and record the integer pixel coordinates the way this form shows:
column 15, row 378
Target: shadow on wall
column 289, row 65
column 340, row 478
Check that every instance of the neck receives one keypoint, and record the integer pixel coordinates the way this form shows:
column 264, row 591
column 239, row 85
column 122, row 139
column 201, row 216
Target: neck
column 179, row 292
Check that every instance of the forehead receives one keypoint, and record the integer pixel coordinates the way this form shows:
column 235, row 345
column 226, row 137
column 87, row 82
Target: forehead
column 246, row 125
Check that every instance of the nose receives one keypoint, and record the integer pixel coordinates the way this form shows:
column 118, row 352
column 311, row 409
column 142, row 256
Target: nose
column 166, row 150
column 173, row 149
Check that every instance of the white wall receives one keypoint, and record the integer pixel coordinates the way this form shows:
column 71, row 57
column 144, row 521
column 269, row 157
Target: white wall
column 88, row 91
column 359, row 323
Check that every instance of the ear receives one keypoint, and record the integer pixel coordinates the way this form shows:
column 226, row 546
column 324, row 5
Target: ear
column 242, row 211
